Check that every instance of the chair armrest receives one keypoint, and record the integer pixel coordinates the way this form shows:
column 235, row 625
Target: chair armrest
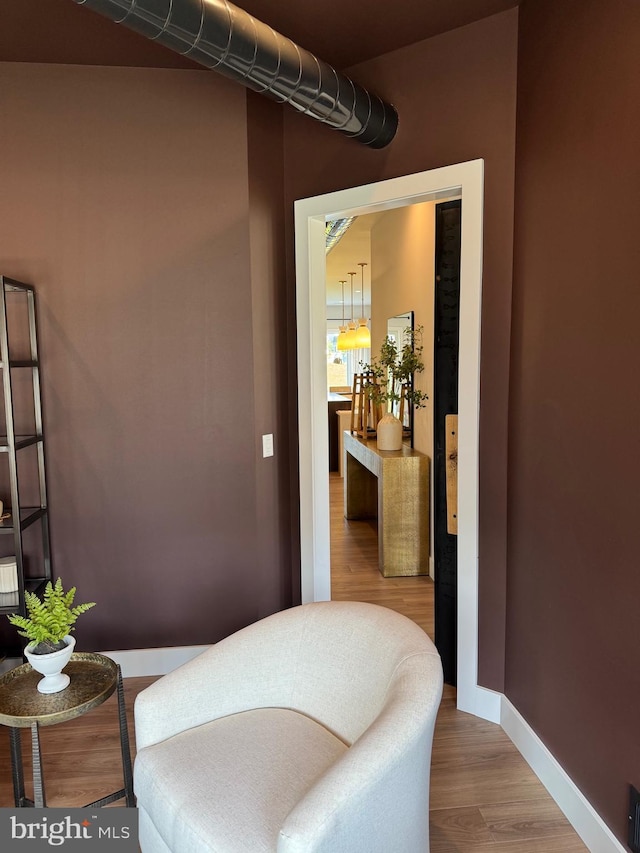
column 375, row 797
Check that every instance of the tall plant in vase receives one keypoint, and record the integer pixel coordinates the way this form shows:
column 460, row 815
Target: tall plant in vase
column 391, row 385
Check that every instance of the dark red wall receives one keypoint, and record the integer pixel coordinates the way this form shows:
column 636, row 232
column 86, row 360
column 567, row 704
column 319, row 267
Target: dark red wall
column 573, row 655
column 126, row 202
column 455, row 96
column 272, row 400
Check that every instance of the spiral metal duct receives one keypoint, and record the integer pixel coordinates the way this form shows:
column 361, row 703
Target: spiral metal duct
column 219, row 35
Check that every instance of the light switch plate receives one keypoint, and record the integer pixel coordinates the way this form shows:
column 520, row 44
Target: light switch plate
column 267, row 445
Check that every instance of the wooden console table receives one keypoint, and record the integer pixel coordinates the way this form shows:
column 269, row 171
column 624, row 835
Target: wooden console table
column 394, row 486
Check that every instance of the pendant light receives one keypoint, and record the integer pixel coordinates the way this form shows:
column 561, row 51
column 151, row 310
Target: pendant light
column 363, row 335
column 350, row 342
column 342, row 337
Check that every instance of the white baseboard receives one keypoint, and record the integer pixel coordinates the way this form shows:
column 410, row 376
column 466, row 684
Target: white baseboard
column 136, row 662
column 479, row 701
column 580, row 813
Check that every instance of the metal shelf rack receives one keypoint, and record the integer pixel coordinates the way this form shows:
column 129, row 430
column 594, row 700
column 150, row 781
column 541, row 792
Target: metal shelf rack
column 22, row 517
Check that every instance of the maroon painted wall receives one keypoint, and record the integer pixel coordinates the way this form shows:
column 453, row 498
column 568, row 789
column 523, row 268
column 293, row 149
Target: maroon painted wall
column 573, row 656
column 270, row 355
column 126, row 202
column 60, row 31
column 455, row 96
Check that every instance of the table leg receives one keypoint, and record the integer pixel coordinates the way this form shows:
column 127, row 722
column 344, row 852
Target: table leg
column 38, row 782
column 403, row 519
column 16, row 766
column 360, row 490
column 124, row 744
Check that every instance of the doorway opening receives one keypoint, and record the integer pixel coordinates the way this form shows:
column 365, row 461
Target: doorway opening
column 395, row 294
column 463, row 180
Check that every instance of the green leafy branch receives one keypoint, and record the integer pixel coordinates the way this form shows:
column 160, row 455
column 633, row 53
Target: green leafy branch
column 394, row 369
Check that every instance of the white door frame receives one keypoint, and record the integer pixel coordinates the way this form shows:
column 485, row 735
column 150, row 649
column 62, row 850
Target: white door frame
column 311, row 214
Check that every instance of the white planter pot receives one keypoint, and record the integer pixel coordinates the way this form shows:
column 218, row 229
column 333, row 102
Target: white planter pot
column 389, row 433
column 51, row 666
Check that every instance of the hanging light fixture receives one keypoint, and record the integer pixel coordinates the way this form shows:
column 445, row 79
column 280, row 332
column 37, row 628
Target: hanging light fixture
column 350, row 337
column 363, row 335
column 341, row 342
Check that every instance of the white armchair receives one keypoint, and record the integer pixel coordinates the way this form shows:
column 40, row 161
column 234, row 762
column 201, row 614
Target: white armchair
column 307, row 732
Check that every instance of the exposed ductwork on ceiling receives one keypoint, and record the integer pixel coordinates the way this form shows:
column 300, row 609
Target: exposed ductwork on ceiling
column 223, row 37
column 335, row 231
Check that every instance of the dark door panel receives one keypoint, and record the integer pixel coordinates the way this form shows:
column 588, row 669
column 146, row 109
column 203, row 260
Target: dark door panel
column 446, row 338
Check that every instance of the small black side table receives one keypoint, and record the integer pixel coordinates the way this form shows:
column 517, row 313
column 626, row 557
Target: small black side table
column 93, row 680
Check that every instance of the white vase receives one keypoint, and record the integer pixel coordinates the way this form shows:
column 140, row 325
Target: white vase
column 51, row 666
column 389, row 433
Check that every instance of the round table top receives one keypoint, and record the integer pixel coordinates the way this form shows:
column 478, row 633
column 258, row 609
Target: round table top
column 93, row 679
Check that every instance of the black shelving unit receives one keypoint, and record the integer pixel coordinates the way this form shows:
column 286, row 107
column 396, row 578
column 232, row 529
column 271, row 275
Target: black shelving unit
column 22, row 517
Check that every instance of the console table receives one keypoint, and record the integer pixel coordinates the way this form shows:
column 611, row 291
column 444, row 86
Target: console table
column 392, row 485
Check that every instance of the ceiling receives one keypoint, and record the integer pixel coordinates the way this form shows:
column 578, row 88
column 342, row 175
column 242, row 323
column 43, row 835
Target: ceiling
column 342, row 32
column 344, row 257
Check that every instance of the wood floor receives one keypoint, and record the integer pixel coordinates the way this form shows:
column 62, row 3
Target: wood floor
column 80, row 759
column 484, row 797
column 354, row 572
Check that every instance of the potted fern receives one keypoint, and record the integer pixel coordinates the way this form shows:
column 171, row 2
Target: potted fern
column 48, row 626
column 391, row 384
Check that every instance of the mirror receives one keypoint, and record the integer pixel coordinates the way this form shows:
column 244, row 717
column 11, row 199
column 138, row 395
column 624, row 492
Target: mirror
column 395, row 329
column 396, row 326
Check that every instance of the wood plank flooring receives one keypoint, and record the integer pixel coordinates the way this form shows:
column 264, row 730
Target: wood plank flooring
column 354, row 572
column 81, row 758
column 484, row 797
